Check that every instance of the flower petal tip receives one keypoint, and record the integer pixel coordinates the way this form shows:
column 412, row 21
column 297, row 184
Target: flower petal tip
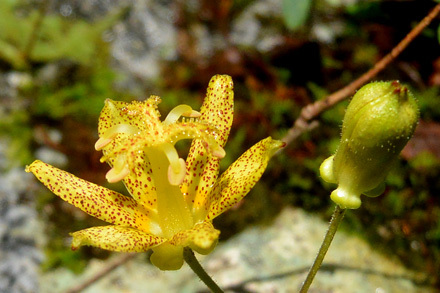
column 76, row 243
column 30, row 168
column 27, row 169
column 274, row 145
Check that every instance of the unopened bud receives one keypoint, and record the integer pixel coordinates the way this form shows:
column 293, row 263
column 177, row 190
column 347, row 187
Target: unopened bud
column 379, row 121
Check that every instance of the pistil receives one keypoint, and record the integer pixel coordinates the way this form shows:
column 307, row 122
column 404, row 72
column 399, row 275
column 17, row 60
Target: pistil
column 174, row 213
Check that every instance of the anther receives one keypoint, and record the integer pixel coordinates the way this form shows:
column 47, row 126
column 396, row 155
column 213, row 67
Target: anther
column 177, row 167
column 119, row 171
column 176, row 178
column 218, row 152
column 214, row 148
column 111, row 133
column 114, row 175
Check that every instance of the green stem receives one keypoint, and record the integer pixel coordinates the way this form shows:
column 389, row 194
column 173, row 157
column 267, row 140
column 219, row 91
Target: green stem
column 194, row 264
column 337, row 217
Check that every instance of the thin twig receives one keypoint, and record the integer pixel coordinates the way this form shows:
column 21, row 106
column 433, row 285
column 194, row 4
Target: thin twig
column 110, row 266
column 313, row 110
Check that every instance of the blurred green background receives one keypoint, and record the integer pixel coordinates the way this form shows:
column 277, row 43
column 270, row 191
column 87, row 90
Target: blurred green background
column 59, row 61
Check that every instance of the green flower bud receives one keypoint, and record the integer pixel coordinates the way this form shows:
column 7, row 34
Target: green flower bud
column 379, row 121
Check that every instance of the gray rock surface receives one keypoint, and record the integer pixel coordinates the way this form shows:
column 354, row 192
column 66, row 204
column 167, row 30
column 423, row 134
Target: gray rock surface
column 145, row 38
column 261, row 259
column 19, row 253
column 249, row 31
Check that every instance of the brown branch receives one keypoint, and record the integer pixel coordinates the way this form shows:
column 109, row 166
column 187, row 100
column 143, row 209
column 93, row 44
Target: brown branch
column 313, row 110
column 106, row 270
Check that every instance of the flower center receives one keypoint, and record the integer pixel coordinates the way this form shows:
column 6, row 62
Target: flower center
column 125, row 143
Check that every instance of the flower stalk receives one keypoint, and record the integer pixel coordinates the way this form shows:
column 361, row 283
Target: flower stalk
column 336, row 219
column 194, row 264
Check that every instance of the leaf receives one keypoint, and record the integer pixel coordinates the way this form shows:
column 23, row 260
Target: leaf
column 295, row 12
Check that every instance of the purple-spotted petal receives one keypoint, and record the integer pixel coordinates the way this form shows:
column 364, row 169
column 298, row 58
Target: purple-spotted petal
column 115, row 238
column 202, row 238
column 241, row 176
column 93, row 199
column 202, row 169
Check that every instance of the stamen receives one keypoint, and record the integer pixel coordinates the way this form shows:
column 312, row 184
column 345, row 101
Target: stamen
column 177, row 167
column 219, row 152
column 177, row 178
column 119, row 171
column 111, row 133
column 214, row 148
column 177, row 112
column 102, row 142
column 114, row 175
column 193, row 114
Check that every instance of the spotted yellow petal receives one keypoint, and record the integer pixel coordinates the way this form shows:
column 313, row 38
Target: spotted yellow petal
column 218, row 106
column 201, row 176
column 93, row 199
column 142, row 115
column 202, row 169
column 140, row 184
column 139, row 179
column 241, row 176
column 119, row 123
column 115, row 238
column 202, row 238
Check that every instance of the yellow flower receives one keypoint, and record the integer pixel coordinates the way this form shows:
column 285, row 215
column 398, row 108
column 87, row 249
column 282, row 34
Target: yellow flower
column 172, row 202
